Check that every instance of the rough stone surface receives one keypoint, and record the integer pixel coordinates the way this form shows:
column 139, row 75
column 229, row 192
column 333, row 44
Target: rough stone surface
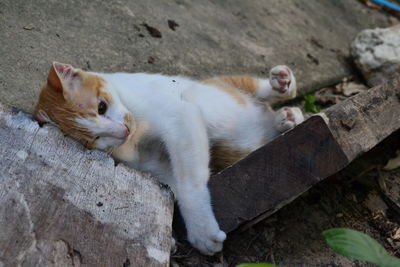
column 213, row 38
column 377, row 54
column 62, row 205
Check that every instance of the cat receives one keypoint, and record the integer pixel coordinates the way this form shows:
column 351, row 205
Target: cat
column 171, row 126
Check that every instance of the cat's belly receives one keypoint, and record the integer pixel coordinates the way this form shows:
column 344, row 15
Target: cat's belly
column 244, row 124
column 248, row 130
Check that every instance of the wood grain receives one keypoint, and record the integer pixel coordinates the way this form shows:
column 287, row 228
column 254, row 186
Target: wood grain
column 361, row 122
column 275, row 174
column 62, row 205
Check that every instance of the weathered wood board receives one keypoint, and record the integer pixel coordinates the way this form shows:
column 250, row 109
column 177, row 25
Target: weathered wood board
column 62, row 205
column 364, row 120
column 277, row 173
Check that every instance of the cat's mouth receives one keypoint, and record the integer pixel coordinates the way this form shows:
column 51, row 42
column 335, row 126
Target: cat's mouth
column 127, row 132
column 121, row 134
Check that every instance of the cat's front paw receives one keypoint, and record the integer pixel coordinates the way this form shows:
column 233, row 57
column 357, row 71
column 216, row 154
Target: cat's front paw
column 287, row 118
column 283, row 82
column 208, row 241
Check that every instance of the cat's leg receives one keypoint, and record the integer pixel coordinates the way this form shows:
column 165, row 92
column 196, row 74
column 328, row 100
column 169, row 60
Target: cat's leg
column 187, row 144
column 281, row 84
column 287, row 118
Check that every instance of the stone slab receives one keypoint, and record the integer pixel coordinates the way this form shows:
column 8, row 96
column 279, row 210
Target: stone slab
column 63, row 205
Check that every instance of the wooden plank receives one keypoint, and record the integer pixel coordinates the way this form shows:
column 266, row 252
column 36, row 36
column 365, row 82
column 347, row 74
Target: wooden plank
column 277, row 173
column 361, row 122
column 62, row 205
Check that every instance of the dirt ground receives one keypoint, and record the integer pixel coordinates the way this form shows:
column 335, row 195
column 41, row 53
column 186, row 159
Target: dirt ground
column 351, row 198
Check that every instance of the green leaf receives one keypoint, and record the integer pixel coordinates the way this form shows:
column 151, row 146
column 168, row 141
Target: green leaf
column 359, row 246
column 310, row 105
column 256, row 265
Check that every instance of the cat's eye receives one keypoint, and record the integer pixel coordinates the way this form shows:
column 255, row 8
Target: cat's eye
column 102, row 107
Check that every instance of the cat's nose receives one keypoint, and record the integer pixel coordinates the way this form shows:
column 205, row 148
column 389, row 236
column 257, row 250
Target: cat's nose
column 127, row 131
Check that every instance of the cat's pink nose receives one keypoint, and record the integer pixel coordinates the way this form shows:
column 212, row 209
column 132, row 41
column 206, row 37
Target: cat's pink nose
column 127, row 131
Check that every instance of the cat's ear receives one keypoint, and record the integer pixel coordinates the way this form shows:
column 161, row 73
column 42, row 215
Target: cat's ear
column 65, row 78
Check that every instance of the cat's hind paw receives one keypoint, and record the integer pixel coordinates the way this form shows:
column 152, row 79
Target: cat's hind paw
column 283, row 82
column 208, row 243
column 287, row 118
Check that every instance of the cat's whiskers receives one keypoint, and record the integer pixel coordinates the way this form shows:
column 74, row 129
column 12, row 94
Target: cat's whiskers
column 110, row 151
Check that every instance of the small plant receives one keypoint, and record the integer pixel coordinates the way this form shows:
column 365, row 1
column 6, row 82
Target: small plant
column 351, row 244
column 310, row 105
column 359, row 246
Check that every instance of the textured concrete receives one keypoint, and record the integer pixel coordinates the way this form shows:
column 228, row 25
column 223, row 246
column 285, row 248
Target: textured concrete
column 213, row 37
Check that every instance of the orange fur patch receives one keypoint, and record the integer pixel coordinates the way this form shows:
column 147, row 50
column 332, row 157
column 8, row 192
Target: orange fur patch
column 91, row 90
column 246, row 84
column 83, row 103
column 235, row 86
column 224, row 155
column 127, row 152
column 227, row 88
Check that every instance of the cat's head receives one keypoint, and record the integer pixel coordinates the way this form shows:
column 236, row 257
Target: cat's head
column 84, row 107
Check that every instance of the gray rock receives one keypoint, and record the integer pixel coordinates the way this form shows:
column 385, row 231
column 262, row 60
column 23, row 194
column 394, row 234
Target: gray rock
column 63, row 205
column 213, row 38
column 377, row 53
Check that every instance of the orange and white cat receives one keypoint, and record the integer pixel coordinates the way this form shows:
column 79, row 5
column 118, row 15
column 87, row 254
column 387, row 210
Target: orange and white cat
column 171, row 126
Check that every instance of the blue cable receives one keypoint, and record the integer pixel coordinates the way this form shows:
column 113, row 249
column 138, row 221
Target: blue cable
column 387, row 4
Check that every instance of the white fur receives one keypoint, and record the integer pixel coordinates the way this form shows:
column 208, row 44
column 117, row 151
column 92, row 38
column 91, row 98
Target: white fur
column 185, row 117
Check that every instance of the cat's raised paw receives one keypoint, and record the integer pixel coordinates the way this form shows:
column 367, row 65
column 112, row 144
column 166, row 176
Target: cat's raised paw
column 283, row 82
column 287, row 118
column 208, row 243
